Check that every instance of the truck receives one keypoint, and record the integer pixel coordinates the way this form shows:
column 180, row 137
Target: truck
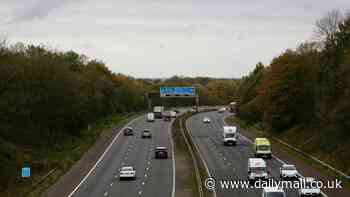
column 262, row 148
column 158, row 111
column 150, row 117
column 230, row 135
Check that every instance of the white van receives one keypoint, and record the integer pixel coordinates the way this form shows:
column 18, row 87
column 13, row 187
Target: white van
column 150, row 117
column 230, row 135
column 257, row 169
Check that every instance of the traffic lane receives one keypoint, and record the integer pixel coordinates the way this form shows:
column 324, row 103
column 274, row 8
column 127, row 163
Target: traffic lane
column 231, row 155
column 159, row 181
column 103, row 174
column 127, row 150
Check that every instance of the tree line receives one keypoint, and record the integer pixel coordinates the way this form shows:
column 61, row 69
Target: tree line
column 308, row 85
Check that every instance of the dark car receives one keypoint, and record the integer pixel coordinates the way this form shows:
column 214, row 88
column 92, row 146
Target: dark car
column 161, row 153
column 146, row 134
column 128, row 131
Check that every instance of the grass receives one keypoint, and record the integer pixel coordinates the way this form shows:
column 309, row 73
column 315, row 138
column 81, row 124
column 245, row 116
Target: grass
column 42, row 160
column 186, row 184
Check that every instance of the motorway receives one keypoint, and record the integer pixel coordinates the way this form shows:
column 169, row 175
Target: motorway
column 227, row 162
column 155, row 178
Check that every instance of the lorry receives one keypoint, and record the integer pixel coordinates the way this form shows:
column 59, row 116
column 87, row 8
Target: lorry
column 230, row 135
column 158, row 111
column 262, row 148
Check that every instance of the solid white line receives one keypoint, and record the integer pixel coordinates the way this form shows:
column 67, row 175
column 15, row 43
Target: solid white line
column 173, row 158
column 274, row 156
column 102, row 156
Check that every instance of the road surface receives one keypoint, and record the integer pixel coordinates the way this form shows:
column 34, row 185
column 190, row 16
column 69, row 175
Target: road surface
column 154, row 177
column 227, row 162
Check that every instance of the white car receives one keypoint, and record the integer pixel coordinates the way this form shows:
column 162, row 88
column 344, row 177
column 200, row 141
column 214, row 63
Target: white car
column 310, row 188
column 127, row 172
column 206, row 120
column 288, row 172
column 273, row 192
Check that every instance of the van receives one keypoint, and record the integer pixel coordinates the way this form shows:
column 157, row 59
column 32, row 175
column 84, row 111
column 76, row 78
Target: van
column 230, row 135
column 257, row 169
column 150, row 117
column 262, row 148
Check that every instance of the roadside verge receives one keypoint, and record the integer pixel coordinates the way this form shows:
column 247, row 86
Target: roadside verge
column 188, row 162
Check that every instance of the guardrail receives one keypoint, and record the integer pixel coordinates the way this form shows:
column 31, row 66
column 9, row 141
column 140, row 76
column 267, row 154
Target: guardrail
column 194, row 160
column 202, row 169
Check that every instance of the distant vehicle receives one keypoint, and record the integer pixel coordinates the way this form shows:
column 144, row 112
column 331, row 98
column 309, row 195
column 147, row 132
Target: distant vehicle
column 206, row 120
column 161, row 153
column 262, row 148
column 230, row 135
column 150, row 117
column 158, row 111
column 232, row 107
column 288, row 171
column 128, row 131
column 257, row 169
column 127, row 172
column 309, row 189
column 167, row 116
column 173, row 114
column 146, row 133
column 273, row 192
column 192, row 110
column 222, row 110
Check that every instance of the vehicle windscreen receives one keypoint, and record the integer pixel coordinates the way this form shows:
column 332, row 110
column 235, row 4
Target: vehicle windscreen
column 288, row 168
column 230, row 135
column 264, row 147
column 275, row 194
column 258, row 170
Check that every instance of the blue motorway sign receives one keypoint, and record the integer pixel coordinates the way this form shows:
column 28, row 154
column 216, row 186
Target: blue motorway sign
column 26, row 172
column 177, row 91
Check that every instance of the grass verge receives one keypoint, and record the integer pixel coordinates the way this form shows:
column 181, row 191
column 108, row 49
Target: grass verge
column 48, row 164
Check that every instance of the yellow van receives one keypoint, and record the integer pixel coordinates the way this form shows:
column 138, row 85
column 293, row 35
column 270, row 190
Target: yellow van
column 262, row 148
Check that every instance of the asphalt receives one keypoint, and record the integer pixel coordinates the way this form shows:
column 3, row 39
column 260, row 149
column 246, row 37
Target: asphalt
column 227, row 162
column 154, row 177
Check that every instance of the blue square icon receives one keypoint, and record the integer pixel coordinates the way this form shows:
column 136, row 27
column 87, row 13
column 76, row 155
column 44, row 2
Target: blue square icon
column 26, row 172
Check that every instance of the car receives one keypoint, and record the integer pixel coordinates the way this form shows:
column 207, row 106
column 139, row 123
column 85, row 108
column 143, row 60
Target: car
column 161, row 152
column 206, row 120
column 146, row 133
column 222, row 110
column 128, row 131
column 288, row 171
column 273, row 192
column 150, row 117
column 173, row 114
column 127, row 172
column 257, row 169
column 309, row 188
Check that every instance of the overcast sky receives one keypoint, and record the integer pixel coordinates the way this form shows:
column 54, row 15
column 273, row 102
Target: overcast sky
column 161, row 38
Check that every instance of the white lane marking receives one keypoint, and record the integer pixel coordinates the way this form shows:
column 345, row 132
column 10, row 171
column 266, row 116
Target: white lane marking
column 102, row 156
column 173, row 157
column 274, row 156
